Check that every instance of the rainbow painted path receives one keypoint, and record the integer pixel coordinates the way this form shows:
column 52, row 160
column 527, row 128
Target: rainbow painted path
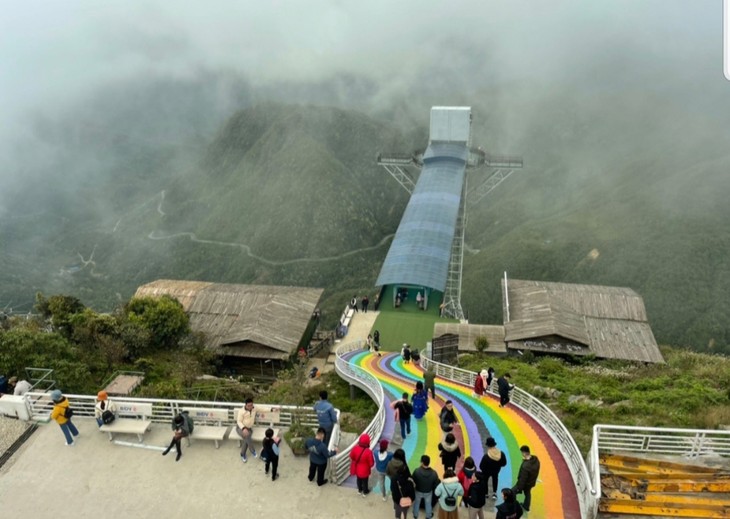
column 554, row 497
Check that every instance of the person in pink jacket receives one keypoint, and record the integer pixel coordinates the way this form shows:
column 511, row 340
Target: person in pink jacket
column 362, row 462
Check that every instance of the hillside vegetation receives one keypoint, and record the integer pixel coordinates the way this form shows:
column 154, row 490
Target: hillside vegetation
column 692, row 390
column 292, row 195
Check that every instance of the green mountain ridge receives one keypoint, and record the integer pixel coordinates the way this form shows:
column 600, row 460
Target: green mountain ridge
column 292, row 195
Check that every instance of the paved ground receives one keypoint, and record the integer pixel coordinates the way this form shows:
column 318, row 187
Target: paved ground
column 46, row 479
column 139, row 482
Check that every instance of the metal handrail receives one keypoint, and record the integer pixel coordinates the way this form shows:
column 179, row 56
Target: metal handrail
column 163, row 410
column 354, row 374
column 587, row 491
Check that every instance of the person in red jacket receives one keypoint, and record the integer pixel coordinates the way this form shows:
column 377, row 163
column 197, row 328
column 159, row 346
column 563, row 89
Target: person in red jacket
column 362, row 462
column 480, row 384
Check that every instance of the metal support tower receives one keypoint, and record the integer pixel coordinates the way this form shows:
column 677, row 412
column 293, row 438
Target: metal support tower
column 503, row 165
column 396, row 165
column 452, row 292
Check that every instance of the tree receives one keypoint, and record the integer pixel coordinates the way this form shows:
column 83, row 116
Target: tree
column 163, row 317
column 481, row 343
column 59, row 310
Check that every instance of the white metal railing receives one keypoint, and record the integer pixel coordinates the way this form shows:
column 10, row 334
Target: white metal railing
column 687, row 443
column 163, row 410
column 588, row 493
column 340, row 464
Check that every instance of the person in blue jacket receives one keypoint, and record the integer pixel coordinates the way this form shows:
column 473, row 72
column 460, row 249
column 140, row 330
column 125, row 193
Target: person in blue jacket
column 382, row 458
column 318, row 456
column 326, row 415
column 419, row 401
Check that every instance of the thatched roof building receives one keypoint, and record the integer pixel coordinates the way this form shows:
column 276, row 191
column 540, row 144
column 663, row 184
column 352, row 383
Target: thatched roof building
column 245, row 321
column 608, row 322
column 468, row 332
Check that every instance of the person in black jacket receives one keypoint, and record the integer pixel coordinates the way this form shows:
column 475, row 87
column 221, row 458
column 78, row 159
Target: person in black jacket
column 477, row 496
column 449, row 452
column 182, row 427
column 504, row 387
column 527, row 476
column 492, row 462
column 510, row 508
column 447, row 418
column 402, row 487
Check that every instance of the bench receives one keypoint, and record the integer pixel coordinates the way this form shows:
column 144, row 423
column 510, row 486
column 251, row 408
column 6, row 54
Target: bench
column 266, row 417
column 208, row 424
column 347, row 316
column 139, row 424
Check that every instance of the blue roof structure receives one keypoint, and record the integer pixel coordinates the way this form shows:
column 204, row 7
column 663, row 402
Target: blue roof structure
column 421, row 249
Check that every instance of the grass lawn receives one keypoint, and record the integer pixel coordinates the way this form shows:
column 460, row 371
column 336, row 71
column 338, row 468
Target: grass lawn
column 415, row 328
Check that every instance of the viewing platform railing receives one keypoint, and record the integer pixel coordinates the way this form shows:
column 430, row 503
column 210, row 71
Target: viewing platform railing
column 588, row 493
column 163, row 410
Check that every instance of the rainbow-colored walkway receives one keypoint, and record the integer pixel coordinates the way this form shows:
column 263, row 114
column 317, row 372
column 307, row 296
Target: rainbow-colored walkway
column 555, row 495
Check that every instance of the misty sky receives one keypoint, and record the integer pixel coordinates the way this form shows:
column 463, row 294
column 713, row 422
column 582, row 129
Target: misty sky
column 56, row 51
column 57, row 55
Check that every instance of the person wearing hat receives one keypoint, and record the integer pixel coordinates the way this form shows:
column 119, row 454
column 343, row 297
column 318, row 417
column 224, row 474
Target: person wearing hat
column 382, row 458
column 61, row 415
column 480, row 384
column 19, row 388
column 492, row 462
column 104, row 411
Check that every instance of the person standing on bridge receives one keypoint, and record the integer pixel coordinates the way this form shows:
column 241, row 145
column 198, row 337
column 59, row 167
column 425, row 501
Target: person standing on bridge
column 365, row 302
column 480, row 384
column 504, row 386
column 492, row 462
column 403, row 411
column 449, row 452
column 419, row 401
column 448, row 417
column 353, row 303
column 429, row 380
column 326, row 415
column 527, row 477
column 510, row 508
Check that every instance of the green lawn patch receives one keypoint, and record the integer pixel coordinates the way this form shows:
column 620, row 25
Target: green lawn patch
column 415, row 328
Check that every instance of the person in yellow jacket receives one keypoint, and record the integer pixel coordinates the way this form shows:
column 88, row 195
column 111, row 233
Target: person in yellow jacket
column 60, row 415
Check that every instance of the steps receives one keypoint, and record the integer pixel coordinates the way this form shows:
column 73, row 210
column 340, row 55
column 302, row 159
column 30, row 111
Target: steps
column 659, row 488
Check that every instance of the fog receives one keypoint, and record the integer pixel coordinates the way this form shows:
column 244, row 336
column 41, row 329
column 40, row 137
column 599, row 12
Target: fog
column 85, row 84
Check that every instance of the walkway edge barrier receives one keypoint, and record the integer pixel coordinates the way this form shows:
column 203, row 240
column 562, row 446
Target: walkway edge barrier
column 354, row 374
column 163, row 410
column 588, row 493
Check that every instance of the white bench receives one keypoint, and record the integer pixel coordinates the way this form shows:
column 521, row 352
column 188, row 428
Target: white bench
column 266, row 417
column 138, row 425
column 347, row 317
column 208, row 424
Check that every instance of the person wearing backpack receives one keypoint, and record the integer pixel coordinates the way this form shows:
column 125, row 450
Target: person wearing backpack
column 105, row 411
column 62, row 414
column 448, row 492
column 182, row 427
column 403, row 411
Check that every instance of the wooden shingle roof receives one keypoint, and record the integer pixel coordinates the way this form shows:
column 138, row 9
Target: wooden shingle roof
column 610, row 321
column 255, row 321
column 468, row 332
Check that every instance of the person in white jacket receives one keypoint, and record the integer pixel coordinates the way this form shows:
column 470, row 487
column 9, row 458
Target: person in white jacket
column 104, row 409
